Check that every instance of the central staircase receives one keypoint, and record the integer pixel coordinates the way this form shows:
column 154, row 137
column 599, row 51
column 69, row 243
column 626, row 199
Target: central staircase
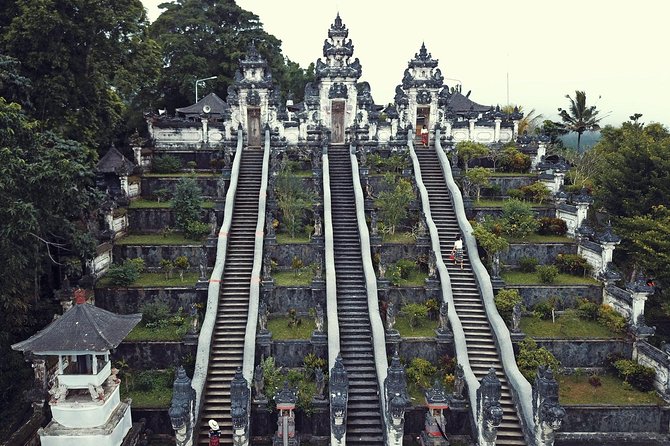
column 364, row 418
column 479, row 339
column 227, row 348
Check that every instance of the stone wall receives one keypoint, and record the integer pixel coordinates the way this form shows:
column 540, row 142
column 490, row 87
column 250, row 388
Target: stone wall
column 151, row 184
column 586, row 353
column 511, row 182
column 647, row 354
column 582, row 418
column 402, row 295
column 299, row 298
column 155, row 219
column 392, row 252
column 131, row 300
column 476, row 213
column 158, row 420
column 545, row 253
column 291, row 353
column 283, row 254
column 153, row 355
column 153, row 255
column 568, row 295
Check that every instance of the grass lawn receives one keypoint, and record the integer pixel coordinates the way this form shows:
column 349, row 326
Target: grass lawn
column 425, row 330
column 537, row 238
column 149, row 388
column 302, row 173
column 399, row 237
column 519, row 278
column 157, row 239
column 416, row 278
column 281, row 331
column 289, row 278
column 511, row 174
column 168, row 333
column 573, row 390
column 499, row 203
column 285, row 239
column 156, row 280
column 151, row 204
column 568, row 326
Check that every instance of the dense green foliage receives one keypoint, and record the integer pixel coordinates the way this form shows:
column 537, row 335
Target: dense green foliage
column 639, row 376
column 393, row 203
column 469, row 150
column 293, row 199
column 531, row 357
column 579, row 117
column 506, row 300
column 186, row 203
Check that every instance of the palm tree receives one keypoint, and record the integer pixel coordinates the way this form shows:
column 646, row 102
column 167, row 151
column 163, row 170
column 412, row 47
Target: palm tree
column 579, row 118
column 530, row 120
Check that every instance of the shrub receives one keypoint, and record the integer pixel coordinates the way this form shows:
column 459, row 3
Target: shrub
column 573, row 264
column 531, row 357
column 517, row 219
column 611, row 319
column 516, row 194
column 162, row 194
column 433, row 307
column 156, row 314
column 528, row 264
column 312, row 362
column 588, row 310
column 126, row 273
column 639, row 376
column 394, row 202
column 167, row 266
column 595, row 380
column 505, row 301
column 536, row 191
column 420, row 372
column 196, row 230
column 512, row 160
column 182, row 264
column 406, row 267
column 186, row 202
column 552, row 226
column 547, row 273
column 165, row 164
column 543, row 309
column 416, row 314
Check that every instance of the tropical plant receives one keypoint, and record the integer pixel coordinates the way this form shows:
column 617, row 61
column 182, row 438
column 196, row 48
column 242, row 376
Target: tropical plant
column 415, row 313
column 518, row 220
column 579, row 117
column 393, row 203
column 293, row 199
column 469, row 150
column 182, row 264
column 506, row 300
column 186, row 202
column 476, row 178
column 531, row 357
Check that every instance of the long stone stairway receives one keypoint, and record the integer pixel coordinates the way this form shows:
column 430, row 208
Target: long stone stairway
column 364, row 422
column 227, row 348
column 480, row 343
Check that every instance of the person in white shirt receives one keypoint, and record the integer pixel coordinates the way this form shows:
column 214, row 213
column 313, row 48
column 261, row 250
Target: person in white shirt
column 457, row 251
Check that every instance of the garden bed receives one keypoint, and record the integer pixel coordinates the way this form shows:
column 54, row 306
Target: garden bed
column 157, row 239
column 279, row 326
column 577, row 390
column 521, row 278
column 149, row 388
column 289, row 278
column 286, row 239
column 425, row 329
column 567, row 326
column 169, row 332
column 180, row 174
column 154, row 280
column 151, row 204
column 399, row 238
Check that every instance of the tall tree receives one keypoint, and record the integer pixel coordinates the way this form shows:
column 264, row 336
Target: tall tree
column 579, row 117
column 87, row 61
column 203, row 38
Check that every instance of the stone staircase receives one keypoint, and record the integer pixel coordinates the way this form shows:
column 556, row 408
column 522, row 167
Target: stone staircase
column 364, row 418
column 480, row 343
column 227, row 348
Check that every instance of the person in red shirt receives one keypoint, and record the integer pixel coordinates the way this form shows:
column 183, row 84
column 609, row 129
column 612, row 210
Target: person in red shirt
column 214, row 433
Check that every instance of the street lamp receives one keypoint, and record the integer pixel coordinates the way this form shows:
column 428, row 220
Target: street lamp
column 201, row 80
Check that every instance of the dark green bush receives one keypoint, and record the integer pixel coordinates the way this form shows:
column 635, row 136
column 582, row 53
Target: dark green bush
column 196, row 230
column 543, row 309
column 512, row 160
column 531, row 357
column 421, row 372
column 588, row 310
column 165, row 164
column 516, row 194
column 126, row 273
column 639, row 376
column 156, row 314
column 573, row 264
column 552, row 226
column 518, row 219
column 527, row 264
column 406, row 267
column 416, row 314
column 608, row 317
column 536, row 191
column 505, row 301
column 547, row 273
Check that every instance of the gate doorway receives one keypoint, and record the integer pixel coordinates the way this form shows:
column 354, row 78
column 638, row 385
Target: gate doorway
column 422, row 118
column 254, row 126
column 337, row 123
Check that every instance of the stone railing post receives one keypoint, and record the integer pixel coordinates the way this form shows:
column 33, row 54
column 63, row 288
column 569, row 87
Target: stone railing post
column 640, row 291
column 582, row 202
column 397, row 400
column 489, row 412
column 547, row 412
column 608, row 241
column 240, row 398
column 182, row 408
column 339, row 396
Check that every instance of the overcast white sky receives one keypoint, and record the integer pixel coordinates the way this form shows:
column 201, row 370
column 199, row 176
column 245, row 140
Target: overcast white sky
column 616, row 51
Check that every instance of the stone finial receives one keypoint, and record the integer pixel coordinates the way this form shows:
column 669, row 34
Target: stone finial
column 607, row 236
column 339, row 396
column 547, row 412
column 390, row 315
column 444, row 318
column 516, row 318
column 397, row 400
column 640, row 285
column 239, row 402
column 489, row 412
column 182, row 407
column 320, row 380
column 459, row 383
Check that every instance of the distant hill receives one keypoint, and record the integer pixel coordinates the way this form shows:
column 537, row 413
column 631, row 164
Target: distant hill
column 588, row 139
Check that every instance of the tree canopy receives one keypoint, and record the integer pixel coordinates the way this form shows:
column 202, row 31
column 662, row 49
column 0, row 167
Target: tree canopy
column 578, row 117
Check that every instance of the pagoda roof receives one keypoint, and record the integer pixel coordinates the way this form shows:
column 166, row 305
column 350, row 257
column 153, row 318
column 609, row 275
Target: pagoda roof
column 217, row 105
column 113, row 161
column 82, row 328
column 459, row 103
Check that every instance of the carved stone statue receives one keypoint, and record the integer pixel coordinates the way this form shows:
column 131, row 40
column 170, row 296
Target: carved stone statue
column 220, row 187
column 259, row 382
column 317, row 225
column 113, row 379
column 390, row 316
column 373, row 225
column 369, row 192
column 459, row 383
column 382, row 269
column 226, row 157
column 202, row 262
column 320, row 383
column 97, row 392
column 397, row 400
column 339, row 396
column 489, row 412
column 318, row 270
column 432, row 265
column 58, row 392
column 547, row 412
column 444, row 318
column 516, row 318
column 364, row 156
column 213, row 224
column 263, row 317
column 318, row 318
column 267, row 267
column 421, row 230
column 495, row 265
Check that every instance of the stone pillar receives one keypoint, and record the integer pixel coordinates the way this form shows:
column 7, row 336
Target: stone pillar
column 240, row 397
column 471, row 130
column 339, row 396
column 123, row 179
column 541, row 152
column 559, row 181
column 489, row 412
column 205, row 130
column 137, row 152
column 515, row 131
column 547, row 412
column 447, row 131
column 397, row 400
column 640, row 291
column 182, row 408
column 496, row 131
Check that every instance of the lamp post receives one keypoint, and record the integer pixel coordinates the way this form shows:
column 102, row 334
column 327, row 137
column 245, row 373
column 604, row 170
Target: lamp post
column 201, row 80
